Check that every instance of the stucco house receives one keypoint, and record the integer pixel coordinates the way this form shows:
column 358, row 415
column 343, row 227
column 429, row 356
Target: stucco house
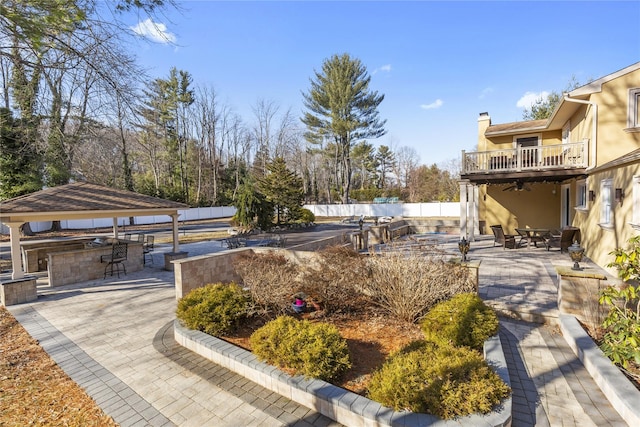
column 580, row 167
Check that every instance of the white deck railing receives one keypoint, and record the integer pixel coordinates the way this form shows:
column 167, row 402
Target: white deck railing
column 544, row 157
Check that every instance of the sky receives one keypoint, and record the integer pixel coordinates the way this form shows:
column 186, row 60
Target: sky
column 439, row 64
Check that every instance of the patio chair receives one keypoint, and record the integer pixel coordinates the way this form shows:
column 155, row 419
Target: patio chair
column 524, row 237
column 147, row 248
column 563, row 239
column 505, row 240
column 115, row 261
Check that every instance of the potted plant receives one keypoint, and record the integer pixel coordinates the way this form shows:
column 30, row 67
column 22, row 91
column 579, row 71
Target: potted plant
column 299, row 304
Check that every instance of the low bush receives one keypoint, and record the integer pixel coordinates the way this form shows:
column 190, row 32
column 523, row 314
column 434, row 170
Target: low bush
column 444, row 381
column 214, row 308
column 270, row 278
column 311, row 349
column 337, row 279
column 407, row 285
column 306, row 215
column 463, row 320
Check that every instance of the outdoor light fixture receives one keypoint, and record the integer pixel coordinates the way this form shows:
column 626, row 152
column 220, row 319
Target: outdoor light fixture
column 576, row 253
column 592, row 195
column 463, row 247
column 619, row 195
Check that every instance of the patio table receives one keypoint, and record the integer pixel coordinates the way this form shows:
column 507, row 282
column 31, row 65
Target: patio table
column 532, row 235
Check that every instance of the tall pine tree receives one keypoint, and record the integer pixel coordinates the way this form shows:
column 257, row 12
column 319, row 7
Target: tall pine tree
column 342, row 109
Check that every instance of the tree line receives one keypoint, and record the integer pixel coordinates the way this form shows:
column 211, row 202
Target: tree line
column 77, row 106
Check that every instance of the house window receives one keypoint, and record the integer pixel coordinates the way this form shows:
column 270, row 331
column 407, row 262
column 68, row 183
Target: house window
column 606, row 212
column 633, row 116
column 581, row 195
column 635, row 219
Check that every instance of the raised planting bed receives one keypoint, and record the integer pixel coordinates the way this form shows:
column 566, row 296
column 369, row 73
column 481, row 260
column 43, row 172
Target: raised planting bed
column 345, row 407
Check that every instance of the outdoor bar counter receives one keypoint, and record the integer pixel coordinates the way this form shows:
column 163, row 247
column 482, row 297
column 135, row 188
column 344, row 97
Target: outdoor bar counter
column 84, row 264
column 35, row 253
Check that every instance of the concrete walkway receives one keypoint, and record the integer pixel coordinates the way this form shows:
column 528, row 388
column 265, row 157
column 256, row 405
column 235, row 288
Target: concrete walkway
column 114, row 338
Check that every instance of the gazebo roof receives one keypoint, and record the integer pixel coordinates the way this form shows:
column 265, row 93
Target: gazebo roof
column 83, row 200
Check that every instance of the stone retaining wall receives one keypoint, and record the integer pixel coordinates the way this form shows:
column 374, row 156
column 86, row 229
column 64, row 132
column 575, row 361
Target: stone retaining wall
column 623, row 396
column 578, row 293
column 18, row 291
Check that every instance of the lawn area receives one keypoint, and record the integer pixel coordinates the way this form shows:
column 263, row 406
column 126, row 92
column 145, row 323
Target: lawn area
column 34, row 390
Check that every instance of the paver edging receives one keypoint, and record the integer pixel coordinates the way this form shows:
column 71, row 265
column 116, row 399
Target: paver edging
column 623, row 396
column 337, row 403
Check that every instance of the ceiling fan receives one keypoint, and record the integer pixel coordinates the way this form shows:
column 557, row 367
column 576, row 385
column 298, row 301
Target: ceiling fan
column 518, row 186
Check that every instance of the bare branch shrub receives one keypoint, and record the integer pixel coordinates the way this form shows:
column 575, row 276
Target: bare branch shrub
column 407, row 284
column 271, row 279
column 338, row 279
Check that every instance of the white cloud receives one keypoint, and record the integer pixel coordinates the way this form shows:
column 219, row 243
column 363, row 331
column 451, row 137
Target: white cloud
column 385, row 68
column 434, row 105
column 485, row 92
column 155, row 31
column 530, row 98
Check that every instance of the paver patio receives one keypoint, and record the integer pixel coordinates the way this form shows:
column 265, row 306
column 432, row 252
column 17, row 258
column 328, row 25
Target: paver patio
column 114, row 337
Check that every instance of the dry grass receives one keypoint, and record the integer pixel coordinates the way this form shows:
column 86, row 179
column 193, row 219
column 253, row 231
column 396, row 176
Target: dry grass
column 33, row 388
column 193, row 237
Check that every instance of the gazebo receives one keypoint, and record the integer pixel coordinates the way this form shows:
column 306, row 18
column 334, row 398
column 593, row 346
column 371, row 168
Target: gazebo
column 80, row 200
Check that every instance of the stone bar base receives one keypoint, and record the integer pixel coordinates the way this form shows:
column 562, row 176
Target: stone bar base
column 18, row 291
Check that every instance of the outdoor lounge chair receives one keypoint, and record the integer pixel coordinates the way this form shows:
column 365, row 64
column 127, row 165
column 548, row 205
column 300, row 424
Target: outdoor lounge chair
column 563, row 239
column 505, row 240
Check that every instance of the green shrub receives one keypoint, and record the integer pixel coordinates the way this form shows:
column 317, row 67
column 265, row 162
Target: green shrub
column 441, row 380
column 306, row 216
column 214, row 308
column 621, row 341
column 463, row 320
column 312, row 349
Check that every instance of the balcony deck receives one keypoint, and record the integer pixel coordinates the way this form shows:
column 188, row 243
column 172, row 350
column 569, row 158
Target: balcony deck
column 546, row 161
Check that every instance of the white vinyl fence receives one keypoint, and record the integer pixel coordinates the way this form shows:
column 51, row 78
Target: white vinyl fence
column 368, row 210
column 449, row 209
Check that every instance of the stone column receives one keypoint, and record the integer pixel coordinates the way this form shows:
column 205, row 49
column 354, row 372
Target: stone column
column 16, row 258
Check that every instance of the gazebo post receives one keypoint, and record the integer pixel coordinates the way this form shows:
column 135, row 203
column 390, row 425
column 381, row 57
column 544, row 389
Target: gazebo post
column 176, row 239
column 16, row 258
column 115, row 227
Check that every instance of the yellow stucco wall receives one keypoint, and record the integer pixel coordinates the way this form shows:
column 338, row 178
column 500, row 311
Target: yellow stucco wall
column 538, row 208
column 507, row 142
column 597, row 239
column 612, row 118
column 612, row 141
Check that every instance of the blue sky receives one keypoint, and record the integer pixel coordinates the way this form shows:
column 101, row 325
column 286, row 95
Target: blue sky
column 439, row 64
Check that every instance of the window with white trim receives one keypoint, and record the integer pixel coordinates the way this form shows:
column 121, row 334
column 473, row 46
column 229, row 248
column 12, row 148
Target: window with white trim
column 633, row 116
column 606, row 197
column 581, row 194
column 635, row 209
